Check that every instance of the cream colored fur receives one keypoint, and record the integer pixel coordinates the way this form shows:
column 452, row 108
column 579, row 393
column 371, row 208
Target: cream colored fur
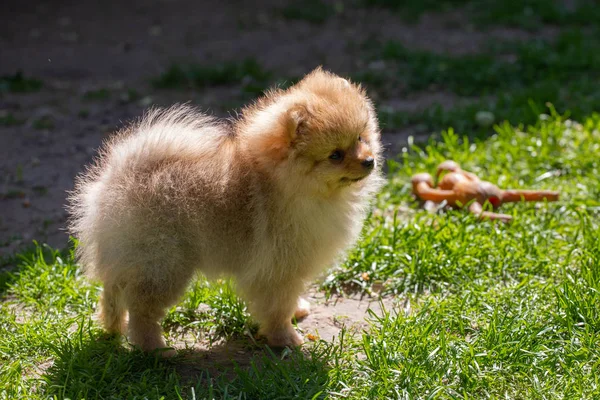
column 257, row 199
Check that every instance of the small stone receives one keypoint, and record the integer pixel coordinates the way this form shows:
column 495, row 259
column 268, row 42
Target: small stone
column 126, row 47
column 155, row 30
column 377, row 65
column 146, row 101
column 64, row 21
column 70, row 36
column 203, row 308
column 124, row 98
column 117, row 85
column 420, row 128
column 263, row 18
column 485, row 119
column 26, row 203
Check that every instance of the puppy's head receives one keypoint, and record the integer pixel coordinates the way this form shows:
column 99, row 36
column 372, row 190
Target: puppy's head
column 326, row 135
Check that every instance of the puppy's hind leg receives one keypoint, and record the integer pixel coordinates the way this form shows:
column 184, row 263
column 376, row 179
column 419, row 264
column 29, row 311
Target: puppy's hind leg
column 112, row 308
column 147, row 300
column 145, row 330
column 145, row 312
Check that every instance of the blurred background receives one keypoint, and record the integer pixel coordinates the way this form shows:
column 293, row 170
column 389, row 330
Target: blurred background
column 72, row 72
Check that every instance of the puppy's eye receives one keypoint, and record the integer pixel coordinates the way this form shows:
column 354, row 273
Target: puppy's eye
column 360, row 139
column 336, row 155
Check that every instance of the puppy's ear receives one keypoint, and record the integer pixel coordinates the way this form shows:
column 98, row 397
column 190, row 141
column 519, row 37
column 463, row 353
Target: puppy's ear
column 295, row 120
column 274, row 147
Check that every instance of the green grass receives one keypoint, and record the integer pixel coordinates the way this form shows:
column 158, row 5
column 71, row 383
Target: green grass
column 485, row 310
column 97, row 95
column 43, row 122
column 9, row 119
column 564, row 72
column 571, row 55
column 313, row 11
column 527, row 14
column 552, row 154
column 482, row 309
column 411, row 10
column 19, row 83
column 533, row 14
column 193, row 76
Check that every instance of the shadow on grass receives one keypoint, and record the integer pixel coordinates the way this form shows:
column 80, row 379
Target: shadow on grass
column 93, row 365
column 80, row 361
column 11, row 265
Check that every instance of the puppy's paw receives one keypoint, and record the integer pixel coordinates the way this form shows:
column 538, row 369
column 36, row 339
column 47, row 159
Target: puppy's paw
column 152, row 342
column 302, row 309
column 284, row 338
column 167, row 353
column 162, row 352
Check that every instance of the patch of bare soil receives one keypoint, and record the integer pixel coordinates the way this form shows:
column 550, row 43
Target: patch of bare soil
column 329, row 317
column 325, row 322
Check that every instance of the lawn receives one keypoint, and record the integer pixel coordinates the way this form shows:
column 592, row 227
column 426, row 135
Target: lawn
column 485, row 310
column 479, row 309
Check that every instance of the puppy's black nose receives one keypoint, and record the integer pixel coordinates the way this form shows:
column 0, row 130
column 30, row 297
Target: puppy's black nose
column 368, row 162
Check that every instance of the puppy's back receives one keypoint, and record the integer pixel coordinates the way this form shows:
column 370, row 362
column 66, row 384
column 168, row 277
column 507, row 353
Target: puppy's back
column 134, row 205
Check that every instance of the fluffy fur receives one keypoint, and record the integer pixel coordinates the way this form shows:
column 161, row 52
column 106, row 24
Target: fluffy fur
column 263, row 199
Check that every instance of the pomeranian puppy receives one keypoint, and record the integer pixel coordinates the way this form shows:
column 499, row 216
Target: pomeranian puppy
column 269, row 199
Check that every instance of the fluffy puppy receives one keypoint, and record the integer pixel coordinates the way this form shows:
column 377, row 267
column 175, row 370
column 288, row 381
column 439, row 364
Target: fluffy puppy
column 270, row 199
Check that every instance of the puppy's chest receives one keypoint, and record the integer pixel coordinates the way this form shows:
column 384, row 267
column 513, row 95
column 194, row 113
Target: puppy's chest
column 316, row 228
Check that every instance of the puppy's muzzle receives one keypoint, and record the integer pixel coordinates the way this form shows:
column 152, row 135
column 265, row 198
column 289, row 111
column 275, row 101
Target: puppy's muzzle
column 368, row 163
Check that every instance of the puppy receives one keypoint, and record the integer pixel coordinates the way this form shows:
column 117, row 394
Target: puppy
column 269, row 199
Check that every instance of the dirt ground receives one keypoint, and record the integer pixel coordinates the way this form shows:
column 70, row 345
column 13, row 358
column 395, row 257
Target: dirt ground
column 75, row 47
column 326, row 320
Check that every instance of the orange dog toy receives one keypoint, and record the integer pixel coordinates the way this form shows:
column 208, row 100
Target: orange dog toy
column 459, row 188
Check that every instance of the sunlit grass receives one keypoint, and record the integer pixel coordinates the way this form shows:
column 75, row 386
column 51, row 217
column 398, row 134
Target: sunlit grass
column 487, row 310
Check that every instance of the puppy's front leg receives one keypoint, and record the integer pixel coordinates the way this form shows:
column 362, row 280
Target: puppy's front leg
column 274, row 308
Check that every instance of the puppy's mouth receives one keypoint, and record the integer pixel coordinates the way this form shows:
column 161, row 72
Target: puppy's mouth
column 349, row 181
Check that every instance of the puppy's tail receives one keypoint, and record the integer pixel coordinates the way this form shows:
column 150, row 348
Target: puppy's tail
column 112, row 309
